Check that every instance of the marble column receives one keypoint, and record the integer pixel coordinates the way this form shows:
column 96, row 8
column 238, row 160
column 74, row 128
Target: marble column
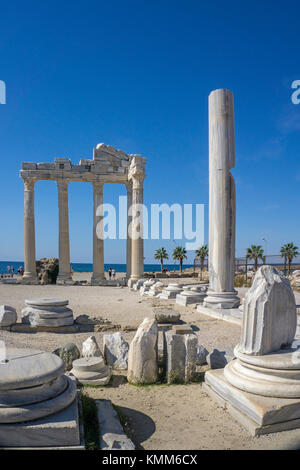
column 129, row 220
column 222, row 210
column 98, row 242
column 30, row 274
column 142, row 239
column 137, row 261
column 64, row 274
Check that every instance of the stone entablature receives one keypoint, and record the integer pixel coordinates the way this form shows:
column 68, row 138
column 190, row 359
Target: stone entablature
column 108, row 165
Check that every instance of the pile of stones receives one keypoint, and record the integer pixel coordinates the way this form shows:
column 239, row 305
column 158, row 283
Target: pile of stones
column 47, row 270
column 179, row 358
column 95, row 367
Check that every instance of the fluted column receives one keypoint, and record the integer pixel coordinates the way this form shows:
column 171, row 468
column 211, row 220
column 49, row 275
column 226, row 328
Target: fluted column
column 222, row 211
column 30, row 274
column 137, row 262
column 64, row 273
column 98, row 242
column 129, row 220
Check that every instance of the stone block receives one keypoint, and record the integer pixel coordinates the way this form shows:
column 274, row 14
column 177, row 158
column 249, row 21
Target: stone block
column 142, row 356
column 60, row 430
column 182, row 329
column 163, row 315
column 259, row 414
column 216, row 359
column 112, row 435
column 116, row 351
column 180, row 353
column 8, row 315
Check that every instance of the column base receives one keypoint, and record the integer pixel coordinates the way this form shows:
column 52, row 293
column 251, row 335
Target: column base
column 98, row 280
column 64, row 279
column 30, row 279
column 221, row 300
column 132, row 280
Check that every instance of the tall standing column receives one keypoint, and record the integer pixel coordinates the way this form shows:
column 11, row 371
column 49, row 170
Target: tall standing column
column 142, row 238
column 98, row 242
column 137, row 270
column 64, row 274
column 30, row 274
column 222, row 210
column 129, row 220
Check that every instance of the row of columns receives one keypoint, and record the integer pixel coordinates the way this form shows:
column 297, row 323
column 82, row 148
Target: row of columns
column 134, row 245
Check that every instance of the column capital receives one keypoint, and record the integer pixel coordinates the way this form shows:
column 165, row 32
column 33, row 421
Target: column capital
column 29, row 183
column 98, row 186
column 137, row 180
column 62, row 184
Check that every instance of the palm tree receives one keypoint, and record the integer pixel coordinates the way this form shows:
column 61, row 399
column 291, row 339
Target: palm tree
column 161, row 254
column 289, row 252
column 256, row 252
column 179, row 254
column 202, row 253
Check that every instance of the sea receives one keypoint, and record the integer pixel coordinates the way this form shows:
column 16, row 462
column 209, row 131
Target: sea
column 88, row 267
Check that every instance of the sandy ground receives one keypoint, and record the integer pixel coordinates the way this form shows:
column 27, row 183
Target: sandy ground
column 161, row 416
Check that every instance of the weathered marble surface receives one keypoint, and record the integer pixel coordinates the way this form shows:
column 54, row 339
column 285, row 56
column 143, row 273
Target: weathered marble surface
column 47, row 312
column 222, row 209
column 115, row 350
column 270, row 317
column 91, row 371
column 112, row 435
column 32, row 387
column 8, row 315
column 90, row 348
column 180, row 354
column 188, row 297
column 142, row 357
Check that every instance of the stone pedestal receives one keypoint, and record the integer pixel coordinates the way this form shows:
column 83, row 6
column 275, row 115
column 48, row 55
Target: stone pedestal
column 188, row 297
column 222, row 210
column 47, row 312
column 91, row 371
column 261, row 388
column 171, row 291
column 38, row 404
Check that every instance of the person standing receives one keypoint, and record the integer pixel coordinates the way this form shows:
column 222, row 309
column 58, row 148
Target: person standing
column 113, row 273
column 109, row 273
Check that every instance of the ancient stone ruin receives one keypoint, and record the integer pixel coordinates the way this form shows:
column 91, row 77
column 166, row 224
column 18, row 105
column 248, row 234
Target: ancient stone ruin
column 109, row 165
column 261, row 388
column 38, row 403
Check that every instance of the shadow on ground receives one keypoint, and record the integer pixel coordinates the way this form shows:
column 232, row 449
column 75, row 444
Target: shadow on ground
column 141, row 426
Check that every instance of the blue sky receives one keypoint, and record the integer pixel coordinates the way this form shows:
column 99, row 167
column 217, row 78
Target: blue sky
column 137, row 75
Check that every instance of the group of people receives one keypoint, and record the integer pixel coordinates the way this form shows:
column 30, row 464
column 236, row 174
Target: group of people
column 11, row 270
column 111, row 273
